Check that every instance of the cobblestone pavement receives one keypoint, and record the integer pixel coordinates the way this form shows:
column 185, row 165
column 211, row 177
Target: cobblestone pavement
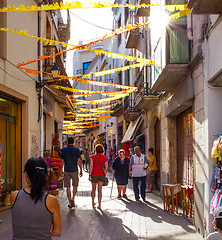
column 118, row 219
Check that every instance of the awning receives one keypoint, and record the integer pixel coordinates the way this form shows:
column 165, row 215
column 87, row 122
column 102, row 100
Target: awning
column 132, row 129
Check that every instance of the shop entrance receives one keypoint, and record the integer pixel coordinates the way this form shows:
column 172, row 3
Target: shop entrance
column 10, row 142
column 157, row 151
column 185, row 148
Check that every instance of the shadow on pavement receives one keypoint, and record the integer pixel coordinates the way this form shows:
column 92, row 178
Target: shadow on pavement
column 149, row 210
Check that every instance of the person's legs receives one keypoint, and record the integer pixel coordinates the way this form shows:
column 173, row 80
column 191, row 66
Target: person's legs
column 74, row 193
column 69, row 195
column 93, row 194
column 100, row 185
column 75, row 183
column 143, row 187
column 147, row 179
column 67, row 179
column 124, row 189
column 136, row 188
column 119, row 187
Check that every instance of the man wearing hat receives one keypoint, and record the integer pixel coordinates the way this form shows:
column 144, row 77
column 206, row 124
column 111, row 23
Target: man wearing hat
column 217, row 225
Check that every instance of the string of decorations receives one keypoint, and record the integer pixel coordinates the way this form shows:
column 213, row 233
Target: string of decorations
column 87, row 5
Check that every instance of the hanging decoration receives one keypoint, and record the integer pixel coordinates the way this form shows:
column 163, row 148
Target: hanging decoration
column 98, row 83
column 88, row 92
column 86, row 5
column 110, row 71
column 99, row 101
column 87, row 118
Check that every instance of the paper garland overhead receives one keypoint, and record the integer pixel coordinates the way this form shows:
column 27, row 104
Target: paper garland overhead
column 86, row 5
column 99, row 101
column 86, row 118
column 74, row 90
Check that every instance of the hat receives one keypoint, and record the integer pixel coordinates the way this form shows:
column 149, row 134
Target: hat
column 218, row 212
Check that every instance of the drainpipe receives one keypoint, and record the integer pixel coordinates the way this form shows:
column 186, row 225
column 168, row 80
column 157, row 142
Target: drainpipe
column 39, row 89
column 189, row 27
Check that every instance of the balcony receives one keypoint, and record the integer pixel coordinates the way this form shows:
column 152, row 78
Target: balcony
column 130, row 113
column 143, row 12
column 133, row 36
column 205, row 6
column 64, row 28
column 171, row 53
column 145, row 98
column 170, row 77
column 118, row 110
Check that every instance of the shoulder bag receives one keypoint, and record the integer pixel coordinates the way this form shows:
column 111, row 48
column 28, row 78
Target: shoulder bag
column 106, row 182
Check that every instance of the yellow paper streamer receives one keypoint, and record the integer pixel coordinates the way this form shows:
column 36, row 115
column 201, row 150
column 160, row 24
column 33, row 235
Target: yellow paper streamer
column 130, row 90
column 99, row 101
column 110, row 71
column 86, row 5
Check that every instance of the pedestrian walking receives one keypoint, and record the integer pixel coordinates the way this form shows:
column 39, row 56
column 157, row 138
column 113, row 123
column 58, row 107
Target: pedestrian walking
column 71, row 157
column 121, row 172
column 137, row 169
column 97, row 172
column 151, row 176
column 217, row 225
column 87, row 159
column 82, row 153
column 35, row 214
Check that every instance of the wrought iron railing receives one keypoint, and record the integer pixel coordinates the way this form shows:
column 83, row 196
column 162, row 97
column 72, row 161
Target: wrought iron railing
column 117, row 106
column 129, row 105
column 143, row 85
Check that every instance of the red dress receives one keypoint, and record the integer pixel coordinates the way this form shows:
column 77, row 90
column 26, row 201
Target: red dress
column 97, row 171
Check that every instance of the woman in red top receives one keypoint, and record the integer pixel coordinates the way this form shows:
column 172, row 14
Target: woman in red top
column 96, row 174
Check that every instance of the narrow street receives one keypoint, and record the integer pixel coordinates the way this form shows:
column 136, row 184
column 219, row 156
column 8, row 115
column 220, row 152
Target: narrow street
column 119, row 219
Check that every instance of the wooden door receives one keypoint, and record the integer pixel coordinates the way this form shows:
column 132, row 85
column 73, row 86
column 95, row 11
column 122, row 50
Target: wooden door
column 157, row 152
column 185, row 148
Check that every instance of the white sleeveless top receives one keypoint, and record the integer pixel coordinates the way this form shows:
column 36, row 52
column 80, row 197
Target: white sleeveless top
column 138, row 163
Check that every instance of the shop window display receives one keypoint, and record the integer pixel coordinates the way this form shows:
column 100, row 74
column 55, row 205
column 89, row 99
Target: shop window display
column 9, row 142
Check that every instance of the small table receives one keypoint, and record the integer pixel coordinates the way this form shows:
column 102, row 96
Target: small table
column 170, row 192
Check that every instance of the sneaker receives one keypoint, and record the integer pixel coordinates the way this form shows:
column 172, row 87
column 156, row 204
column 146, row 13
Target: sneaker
column 119, row 196
column 72, row 203
column 144, row 199
column 125, row 196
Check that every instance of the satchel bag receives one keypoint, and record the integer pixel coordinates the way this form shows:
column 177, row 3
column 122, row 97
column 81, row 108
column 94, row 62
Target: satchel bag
column 106, row 182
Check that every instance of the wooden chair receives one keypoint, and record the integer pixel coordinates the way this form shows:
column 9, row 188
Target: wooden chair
column 187, row 200
column 170, row 194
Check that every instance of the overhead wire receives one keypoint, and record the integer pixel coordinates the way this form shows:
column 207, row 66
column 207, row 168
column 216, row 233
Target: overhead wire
column 90, row 22
column 13, row 64
column 14, row 77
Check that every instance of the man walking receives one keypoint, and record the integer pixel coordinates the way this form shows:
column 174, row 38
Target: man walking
column 71, row 157
column 137, row 169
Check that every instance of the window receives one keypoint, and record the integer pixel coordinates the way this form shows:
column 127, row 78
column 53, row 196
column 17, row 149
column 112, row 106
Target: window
column 86, row 66
column 120, row 78
column 127, row 76
column 126, row 13
column 119, row 36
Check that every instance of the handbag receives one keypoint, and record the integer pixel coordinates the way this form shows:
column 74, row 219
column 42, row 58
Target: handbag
column 106, row 182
